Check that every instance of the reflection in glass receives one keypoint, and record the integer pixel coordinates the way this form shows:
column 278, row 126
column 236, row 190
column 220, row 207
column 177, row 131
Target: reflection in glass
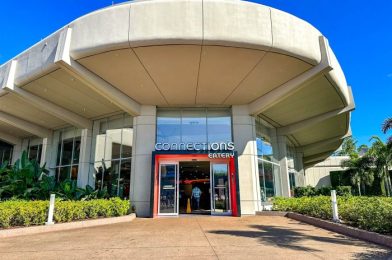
column 74, row 172
column 68, row 157
column 264, row 148
column 196, row 125
column 219, row 125
column 168, row 189
column 169, row 126
column 113, row 152
column 76, row 151
column 125, row 179
column 292, row 181
column 221, row 200
column 35, row 152
column 5, row 153
column 116, row 150
column 63, row 173
column 267, row 180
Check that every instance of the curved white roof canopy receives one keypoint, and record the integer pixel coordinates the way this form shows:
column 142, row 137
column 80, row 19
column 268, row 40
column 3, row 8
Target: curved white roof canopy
column 183, row 53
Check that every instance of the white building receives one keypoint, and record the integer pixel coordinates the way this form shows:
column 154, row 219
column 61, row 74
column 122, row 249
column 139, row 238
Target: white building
column 160, row 91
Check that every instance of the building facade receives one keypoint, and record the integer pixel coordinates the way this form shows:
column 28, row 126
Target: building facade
column 183, row 106
column 319, row 175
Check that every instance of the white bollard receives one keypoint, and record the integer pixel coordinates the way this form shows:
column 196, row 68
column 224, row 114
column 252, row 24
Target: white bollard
column 51, row 209
column 335, row 215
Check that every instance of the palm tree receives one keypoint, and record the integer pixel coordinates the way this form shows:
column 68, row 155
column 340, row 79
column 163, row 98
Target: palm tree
column 382, row 157
column 349, row 147
column 387, row 125
column 360, row 169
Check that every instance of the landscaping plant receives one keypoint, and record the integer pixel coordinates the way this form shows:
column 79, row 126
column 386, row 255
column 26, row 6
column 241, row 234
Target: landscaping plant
column 27, row 180
column 309, row 191
column 369, row 213
column 27, row 213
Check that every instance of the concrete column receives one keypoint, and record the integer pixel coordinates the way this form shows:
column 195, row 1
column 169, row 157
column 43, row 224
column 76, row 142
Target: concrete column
column 52, row 150
column 84, row 158
column 93, row 159
column 299, row 167
column 25, row 145
column 46, row 153
column 244, row 135
column 284, row 169
column 16, row 151
column 144, row 127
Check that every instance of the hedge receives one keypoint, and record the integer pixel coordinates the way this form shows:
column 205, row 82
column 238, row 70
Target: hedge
column 369, row 213
column 309, row 191
column 27, row 213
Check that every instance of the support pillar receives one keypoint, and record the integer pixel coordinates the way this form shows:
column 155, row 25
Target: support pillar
column 51, row 152
column 95, row 156
column 17, row 151
column 244, row 134
column 144, row 127
column 84, row 158
column 284, row 169
column 46, row 153
column 299, row 167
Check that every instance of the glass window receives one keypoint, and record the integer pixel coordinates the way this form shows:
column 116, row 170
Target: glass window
column 264, row 136
column 292, row 180
column 113, row 155
column 193, row 125
column 267, row 180
column 264, row 148
column 219, row 125
column 35, row 152
column 116, row 150
column 67, row 148
column 5, row 152
column 68, row 153
column 169, row 126
column 269, row 169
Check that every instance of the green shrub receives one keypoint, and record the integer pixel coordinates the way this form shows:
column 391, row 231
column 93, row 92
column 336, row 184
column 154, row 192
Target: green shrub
column 27, row 180
column 27, row 213
column 369, row 213
column 305, row 191
column 310, row 191
column 343, row 190
column 324, row 191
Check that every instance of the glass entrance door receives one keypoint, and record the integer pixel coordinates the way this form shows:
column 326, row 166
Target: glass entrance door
column 168, row 189
column 220, row 197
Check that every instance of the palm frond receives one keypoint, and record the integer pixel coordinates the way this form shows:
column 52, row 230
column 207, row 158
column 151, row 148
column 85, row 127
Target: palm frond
column 386, row 125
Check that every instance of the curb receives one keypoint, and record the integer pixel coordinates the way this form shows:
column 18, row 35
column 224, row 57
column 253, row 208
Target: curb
column 344, row 229
column 64, row 226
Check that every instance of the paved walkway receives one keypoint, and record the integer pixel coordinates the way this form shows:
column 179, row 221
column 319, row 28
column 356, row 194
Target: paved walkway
column 255, row 237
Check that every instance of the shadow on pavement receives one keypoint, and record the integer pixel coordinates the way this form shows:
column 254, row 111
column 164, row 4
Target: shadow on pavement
column 373, row 255
column 287, row 237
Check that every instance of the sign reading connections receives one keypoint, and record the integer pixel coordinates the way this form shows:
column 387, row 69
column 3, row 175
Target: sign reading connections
column 215, row 150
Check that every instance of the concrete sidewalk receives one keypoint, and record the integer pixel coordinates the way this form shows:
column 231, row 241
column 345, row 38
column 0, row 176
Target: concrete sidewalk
column 257, row 237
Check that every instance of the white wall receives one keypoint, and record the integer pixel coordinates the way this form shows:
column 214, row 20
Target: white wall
column 319, row 175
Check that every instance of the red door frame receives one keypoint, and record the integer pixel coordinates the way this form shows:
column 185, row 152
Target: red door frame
column 233, row 173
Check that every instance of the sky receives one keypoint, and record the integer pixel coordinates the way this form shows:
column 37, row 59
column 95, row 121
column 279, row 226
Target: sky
column 359, row 32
